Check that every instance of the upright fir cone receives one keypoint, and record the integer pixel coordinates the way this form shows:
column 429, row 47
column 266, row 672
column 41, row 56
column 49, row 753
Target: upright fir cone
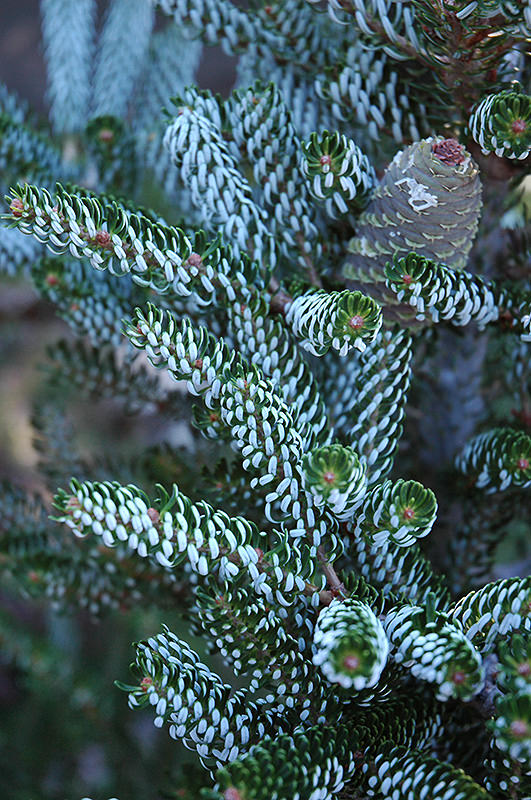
column 429, row 202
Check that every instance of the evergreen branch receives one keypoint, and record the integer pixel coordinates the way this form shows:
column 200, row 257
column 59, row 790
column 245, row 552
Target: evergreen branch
column 174, row 531
column 122, row 52
column 199, row 708
column 372, row 404
column 497, row 460
column 413, row 775
column 494, row 610
column 267, row 341
column 263, row 130
column 501, row 124
column 261, row 424
column 336, row 478
column 307, row 758
column 435, row 649
column 350, row 645
column 341, row 175
column 253, row 639
column 366, row 90
column 338, row 320
column 197, row 148
column 399, row 513
column 47, row 565
column 438, row 292
column 67, row 28
column 111, row 237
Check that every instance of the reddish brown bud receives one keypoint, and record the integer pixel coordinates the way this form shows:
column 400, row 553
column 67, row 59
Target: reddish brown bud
column 518, row 126
column 459, row 677
column 522, row 463
column 154, row 515
column 329, row 477
column 106, row 135
column 326, row 159
column 51, row 279
column 232, row 794
column 407, row 279
column 519, row 728
column 72, row 502
column 524, row 668
column 351, row 662
column 449, row 151
column 16, row 207
column 409, row 513
column 103, row 238
column 356, row 322
column 194, row 260
column 145, row 683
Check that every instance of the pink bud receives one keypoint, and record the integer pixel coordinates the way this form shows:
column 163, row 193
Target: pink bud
column 449, row 151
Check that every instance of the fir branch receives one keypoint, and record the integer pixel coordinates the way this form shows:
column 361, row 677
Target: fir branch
column 110, row 236
column 174, row 530
column 437, row 291
column 121, row 54
column 370, row 407
column 68, row 32
column 26, row 155
column 494, row 610
column 435, row 650
column 18, row 254
column 399, row 513
column 338, row 320
column 350, row 645
column 414, row 774
column 260, row 423
column 221, row 725
column 497, row 460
